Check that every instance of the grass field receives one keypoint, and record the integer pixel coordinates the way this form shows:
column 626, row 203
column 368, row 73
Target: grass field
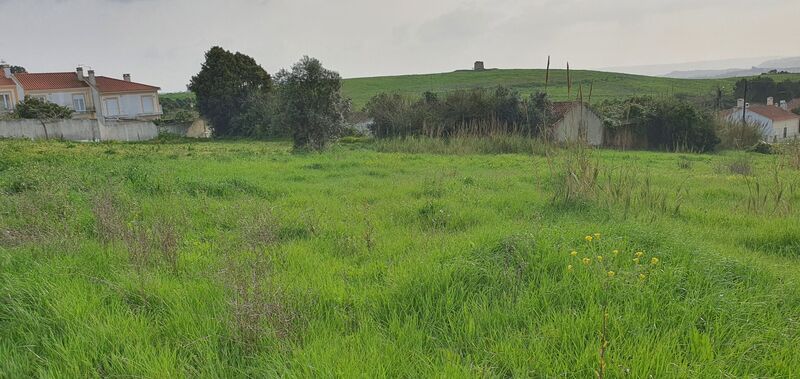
column 605, row 85
column 242, row 259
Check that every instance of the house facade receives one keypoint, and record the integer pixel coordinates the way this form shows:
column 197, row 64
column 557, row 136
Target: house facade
column 776, row 122
column 576, row 121
column 89, row 96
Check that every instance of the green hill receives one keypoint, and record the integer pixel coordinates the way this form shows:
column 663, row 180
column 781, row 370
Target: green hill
column 604, row 85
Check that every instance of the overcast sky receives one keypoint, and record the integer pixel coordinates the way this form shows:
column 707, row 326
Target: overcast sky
column 161, row 42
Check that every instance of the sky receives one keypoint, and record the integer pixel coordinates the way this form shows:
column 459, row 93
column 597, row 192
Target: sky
column 162, row 42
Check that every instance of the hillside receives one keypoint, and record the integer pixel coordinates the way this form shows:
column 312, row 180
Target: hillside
column 605, row 84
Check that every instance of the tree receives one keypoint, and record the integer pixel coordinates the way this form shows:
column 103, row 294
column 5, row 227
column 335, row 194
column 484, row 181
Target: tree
column 18, row 70
column 33, row 108
column 311, row 103
column 224, row 87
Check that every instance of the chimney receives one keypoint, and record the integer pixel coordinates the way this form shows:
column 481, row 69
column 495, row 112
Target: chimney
column 740, row 103
column 79, row 71
column 91, row 77
column 770, row 101
column 6, row 70
column 126, row 77
column 784, row 106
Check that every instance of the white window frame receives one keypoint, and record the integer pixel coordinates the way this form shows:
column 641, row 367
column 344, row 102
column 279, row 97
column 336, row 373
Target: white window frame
column 82, row 98
column 152, row 100
column 6, row 103
column 105, row 105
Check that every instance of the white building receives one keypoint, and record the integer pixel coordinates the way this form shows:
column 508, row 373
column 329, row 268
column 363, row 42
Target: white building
column 777, row 123
column 89, row 96
column 574, row 121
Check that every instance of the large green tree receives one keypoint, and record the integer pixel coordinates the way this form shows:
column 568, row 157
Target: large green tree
column 33, row 108
column 311, row 103
column 225, row 87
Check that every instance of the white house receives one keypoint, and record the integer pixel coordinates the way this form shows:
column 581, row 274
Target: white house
column 89, row 96
column 777, row 123
column 575, row 121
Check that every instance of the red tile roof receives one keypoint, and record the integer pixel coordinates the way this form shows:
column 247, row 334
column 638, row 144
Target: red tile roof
column 5, row 81
column 106, row 84
column 773, row 113
column 794, row 104
column 49, row 81
column 66, row 80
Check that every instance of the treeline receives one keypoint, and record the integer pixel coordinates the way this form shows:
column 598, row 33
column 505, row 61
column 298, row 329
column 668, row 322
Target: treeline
column 474, row 112
column 241, row 99
column 662, row 123
column 762, row 87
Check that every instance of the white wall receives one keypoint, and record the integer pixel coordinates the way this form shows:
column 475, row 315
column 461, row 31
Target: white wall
column 130, row 105
column 79, row 130
column 577, row 118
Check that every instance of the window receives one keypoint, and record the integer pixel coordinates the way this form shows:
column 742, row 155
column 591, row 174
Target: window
column 79, row 102
column 784, row 132
column 148, row 105
column 112, row 106
column 5, row 101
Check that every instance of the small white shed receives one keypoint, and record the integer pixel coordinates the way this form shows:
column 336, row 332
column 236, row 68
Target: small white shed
column 575, row 121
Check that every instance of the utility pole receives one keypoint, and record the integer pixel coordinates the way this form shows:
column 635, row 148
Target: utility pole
column 744, row 106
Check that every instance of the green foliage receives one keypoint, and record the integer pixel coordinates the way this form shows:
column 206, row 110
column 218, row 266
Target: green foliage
column 762, row 87
column 667, row 123
column 311, row 103
column 241, row 259
column 225, row 87
column 33, row 108
column 475, row 112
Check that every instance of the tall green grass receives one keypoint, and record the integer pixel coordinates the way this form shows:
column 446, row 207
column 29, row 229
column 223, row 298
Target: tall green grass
column 242, row 259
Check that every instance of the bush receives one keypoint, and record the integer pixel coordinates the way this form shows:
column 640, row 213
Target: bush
column 462, row 112
column 669, row 123
column 311, row 103
column 33, row 108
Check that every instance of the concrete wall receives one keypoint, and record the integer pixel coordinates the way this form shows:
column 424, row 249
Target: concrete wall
column 79, row 130
column 580, row 123
column 197, row 129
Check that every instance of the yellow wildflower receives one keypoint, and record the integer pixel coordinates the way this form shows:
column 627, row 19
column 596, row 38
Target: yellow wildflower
column 587, row 261
column 641, row 276
column 569, row 268
column 597, row 235
column 636, row 260
column 599, row 258
column 574, row 254
column 639, row 254
column 611, row 274
column 654, row 261
column 615, row 252
column 589, row 238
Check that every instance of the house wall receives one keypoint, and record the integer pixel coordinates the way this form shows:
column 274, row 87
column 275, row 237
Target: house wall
column 771, row 130
column 11, row 90
column 130, row 104
column 791, row 126
column 64, row 97
column 579, row 118
column 79, row 130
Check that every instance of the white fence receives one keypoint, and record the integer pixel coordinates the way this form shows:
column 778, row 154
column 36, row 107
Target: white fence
column 79, row 130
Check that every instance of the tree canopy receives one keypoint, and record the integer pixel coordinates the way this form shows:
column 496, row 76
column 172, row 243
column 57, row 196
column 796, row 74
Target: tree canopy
column 33, row 108
column 225, row 86
column 311, row 103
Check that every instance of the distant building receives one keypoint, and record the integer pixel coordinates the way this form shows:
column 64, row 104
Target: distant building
column 574, row 121
column 89, row 96
column 777, row 123
column 479, row 66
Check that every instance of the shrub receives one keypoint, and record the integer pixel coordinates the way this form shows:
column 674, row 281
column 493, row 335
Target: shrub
column 311, row 103
column 33, row 108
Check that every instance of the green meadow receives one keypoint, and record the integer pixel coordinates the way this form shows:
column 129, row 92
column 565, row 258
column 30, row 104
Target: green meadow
column 386, row 259
column 601, row 85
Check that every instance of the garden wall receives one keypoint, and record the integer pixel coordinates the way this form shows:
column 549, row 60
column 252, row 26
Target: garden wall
column 79, row 130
